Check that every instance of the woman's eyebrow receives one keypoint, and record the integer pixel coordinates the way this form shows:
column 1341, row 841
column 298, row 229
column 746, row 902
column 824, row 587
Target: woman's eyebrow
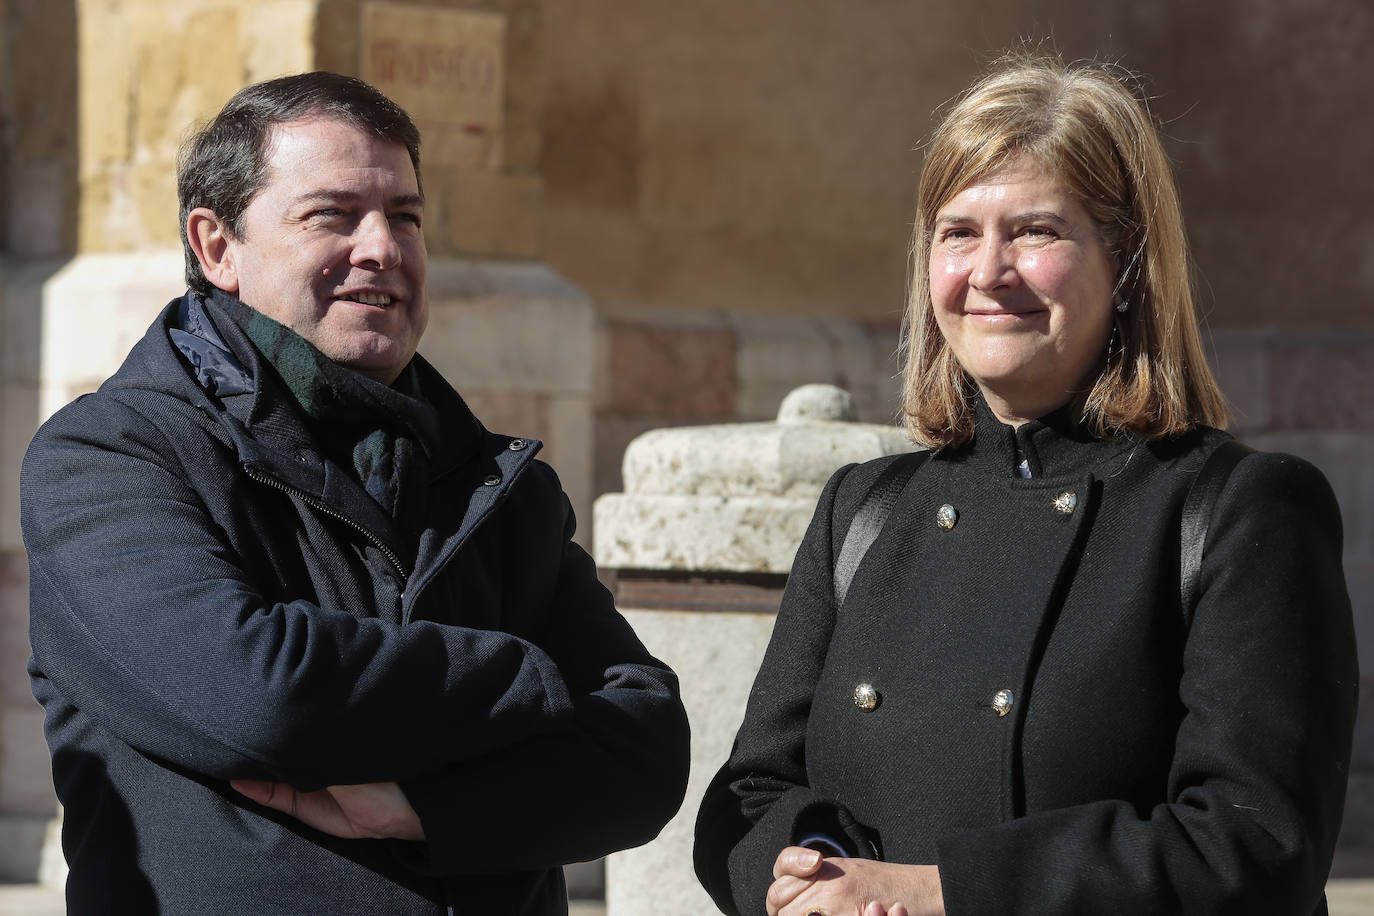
column 1030, row 216
column 1040, row 216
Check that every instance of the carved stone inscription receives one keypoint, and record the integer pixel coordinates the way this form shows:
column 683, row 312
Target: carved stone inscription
column 445, row 67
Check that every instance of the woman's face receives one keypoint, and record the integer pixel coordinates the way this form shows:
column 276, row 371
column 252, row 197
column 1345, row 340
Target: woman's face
column 1022, row 283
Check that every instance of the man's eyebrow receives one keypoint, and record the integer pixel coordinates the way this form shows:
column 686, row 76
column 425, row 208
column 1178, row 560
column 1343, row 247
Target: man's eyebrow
column 338, row 195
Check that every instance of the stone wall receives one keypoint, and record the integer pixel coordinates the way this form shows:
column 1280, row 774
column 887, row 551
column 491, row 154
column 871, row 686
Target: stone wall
column 720, row 193
column 491, row 209
column 149, row 71
column 743, row 154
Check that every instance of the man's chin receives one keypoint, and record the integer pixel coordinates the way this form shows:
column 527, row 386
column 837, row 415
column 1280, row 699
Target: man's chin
column 381, row 363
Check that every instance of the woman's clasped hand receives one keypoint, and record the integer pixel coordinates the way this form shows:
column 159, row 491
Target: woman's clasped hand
column 806, row 884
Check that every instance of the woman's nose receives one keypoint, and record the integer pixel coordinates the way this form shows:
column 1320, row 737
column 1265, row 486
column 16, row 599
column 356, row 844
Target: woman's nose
column 994, row 266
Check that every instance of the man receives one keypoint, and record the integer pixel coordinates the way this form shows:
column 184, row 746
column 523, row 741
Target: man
column 309, row 638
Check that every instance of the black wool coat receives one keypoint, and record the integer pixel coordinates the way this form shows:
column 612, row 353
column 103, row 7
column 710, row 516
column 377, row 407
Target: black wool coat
column 212, row 598
column 1051, row 732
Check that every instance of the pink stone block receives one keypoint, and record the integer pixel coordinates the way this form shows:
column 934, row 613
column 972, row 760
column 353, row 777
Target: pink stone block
column 679, row 374
column 512, row 413
column 14, row 627
column 1323, row 382
column 25, row 769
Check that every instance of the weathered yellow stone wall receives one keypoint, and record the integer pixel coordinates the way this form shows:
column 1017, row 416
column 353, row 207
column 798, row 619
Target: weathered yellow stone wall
column 496, row 211
column 150, row 68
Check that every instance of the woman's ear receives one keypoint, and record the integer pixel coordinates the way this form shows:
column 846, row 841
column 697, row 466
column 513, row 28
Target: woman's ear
column 211, row 241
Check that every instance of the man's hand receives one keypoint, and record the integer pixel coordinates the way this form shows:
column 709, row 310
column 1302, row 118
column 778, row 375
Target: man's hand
column 376, row 810
column 807, row 883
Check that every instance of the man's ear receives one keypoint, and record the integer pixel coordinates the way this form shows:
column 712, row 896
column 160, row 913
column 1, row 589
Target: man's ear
column 210, row 240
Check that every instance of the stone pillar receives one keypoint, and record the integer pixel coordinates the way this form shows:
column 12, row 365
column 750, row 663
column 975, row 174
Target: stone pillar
column 698, row 548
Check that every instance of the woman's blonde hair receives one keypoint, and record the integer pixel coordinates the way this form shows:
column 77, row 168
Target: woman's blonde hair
column 1082, row 123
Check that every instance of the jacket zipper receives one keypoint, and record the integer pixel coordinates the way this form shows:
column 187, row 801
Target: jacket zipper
column 447, row 558
column 325, row 509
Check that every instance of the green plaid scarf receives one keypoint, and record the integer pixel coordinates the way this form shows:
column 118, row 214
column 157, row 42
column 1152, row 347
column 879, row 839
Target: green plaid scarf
column 384, row 435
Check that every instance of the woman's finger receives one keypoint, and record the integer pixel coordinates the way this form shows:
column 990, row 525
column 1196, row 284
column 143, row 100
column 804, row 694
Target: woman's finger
column 797, row 861
column 783, row 891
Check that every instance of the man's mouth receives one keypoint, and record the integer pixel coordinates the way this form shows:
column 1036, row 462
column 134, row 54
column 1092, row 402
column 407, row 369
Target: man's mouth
column 367, row 298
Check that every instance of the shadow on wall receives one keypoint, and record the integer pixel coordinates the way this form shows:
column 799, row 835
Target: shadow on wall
column 38, row 227
column 38, row 128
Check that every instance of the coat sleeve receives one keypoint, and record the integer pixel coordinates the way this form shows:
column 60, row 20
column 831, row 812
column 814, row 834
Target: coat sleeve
column 760, row 801
column 1258, row 776
column 608, row 781
column 142, row 618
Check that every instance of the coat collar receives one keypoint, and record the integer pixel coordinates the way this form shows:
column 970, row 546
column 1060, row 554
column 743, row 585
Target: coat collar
column 210, row 364
column 230, row 369
column 1056, row 445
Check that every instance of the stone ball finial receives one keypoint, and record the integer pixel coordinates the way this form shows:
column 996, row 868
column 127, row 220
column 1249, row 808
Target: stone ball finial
column 811, row 403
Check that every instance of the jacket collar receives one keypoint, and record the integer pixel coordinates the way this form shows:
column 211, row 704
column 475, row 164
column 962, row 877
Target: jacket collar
column 228, row 368
column 1056, row 445
column 224, row 376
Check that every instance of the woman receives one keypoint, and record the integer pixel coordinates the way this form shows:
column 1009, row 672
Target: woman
column 1014, row 710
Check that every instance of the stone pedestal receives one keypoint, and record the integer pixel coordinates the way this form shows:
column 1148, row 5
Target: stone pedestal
column 698, row 548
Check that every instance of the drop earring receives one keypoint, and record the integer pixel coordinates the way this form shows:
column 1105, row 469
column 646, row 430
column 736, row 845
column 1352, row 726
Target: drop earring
column 1120, row 304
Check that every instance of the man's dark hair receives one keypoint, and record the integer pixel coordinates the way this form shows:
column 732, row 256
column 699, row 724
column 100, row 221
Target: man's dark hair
column 222, row 165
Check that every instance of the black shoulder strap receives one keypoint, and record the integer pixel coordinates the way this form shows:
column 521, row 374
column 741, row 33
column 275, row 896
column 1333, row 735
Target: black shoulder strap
column 1197, row 516
column 869, row 518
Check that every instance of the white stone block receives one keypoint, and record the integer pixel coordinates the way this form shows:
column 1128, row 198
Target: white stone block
column 512, row 326
column 94, row 310
column 792, row 460
column 740, row 533
column 737, row 496
column 716, row 657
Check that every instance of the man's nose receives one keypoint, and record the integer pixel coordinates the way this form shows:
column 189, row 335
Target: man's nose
column 374, row 244
column 994, row 266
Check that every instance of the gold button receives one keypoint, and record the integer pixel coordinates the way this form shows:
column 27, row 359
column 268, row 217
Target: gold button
column 1066, row 502
column 866, row 698
column 1002, row 701
column 947, row 517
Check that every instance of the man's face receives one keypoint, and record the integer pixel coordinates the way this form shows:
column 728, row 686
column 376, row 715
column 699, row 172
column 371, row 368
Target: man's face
column 331, row 247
